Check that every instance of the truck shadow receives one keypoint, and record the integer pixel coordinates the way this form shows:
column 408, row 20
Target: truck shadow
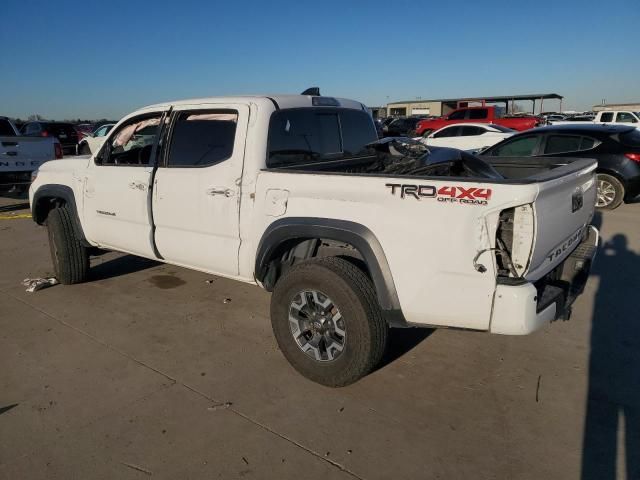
column 121, row 265
column 612, row 423
column 402, row 341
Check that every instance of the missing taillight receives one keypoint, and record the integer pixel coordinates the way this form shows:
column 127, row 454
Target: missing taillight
column 514, row 240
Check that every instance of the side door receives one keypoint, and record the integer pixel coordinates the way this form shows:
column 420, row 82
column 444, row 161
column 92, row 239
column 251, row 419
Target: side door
column 196, row 194
column 116, row 211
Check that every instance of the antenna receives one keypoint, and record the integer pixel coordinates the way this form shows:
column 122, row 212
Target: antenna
column 315, row 91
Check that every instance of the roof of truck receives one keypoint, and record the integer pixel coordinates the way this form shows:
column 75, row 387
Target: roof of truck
column 281, row 101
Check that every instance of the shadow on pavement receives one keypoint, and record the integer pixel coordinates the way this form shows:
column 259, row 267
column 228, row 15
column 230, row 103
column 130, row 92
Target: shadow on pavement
column 612, row 423
column 401, row 342
column 14, row 207
column 7, row 408
column 119, row 266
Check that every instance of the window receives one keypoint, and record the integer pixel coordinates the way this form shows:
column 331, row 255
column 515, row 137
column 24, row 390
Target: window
column 478, row 113
column 356, row 133
column 520, row 147
column 447, row 132
column 626, row 117
column 202, row 138
column 101, row 132
column 457, row 115
column 305, row 135
column 132, row 143
column 606, row 117
column 502, row 129
column 562, row 143
column 471, row 131
column 32, row 129
column 5, row 129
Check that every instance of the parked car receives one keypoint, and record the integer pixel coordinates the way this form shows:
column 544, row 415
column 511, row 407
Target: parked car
column 285, row 192
column 606, row 117
column 487, row 114
column 401, row 127
column 93, row 141
column 468, row 136
column 615, row 147
column 64, row 132
column 20, row 155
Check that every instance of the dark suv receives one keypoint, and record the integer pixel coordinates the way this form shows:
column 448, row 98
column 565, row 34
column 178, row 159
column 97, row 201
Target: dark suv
column 64, row 132
column 615, row 147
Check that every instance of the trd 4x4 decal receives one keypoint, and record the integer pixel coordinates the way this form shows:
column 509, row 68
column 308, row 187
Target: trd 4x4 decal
column 446, row 193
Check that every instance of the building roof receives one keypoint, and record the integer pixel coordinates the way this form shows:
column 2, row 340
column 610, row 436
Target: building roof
column 501, row 98
column 613, row 105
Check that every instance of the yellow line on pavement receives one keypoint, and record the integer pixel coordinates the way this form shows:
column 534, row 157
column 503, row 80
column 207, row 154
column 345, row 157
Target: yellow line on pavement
column 12, row 217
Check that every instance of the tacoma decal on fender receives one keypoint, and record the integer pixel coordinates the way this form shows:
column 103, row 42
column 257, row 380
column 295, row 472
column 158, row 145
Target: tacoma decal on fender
column 449, row 194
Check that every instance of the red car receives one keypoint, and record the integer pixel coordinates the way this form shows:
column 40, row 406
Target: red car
column 478, row 115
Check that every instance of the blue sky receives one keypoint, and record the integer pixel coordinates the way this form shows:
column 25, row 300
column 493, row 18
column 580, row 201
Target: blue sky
column 93, row 59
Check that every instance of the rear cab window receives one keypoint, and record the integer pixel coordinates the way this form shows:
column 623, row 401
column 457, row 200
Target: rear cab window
column 314, row 135
column 606, row 117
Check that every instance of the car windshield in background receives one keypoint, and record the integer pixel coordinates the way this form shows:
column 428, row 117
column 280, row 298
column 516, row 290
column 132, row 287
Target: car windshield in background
column 306, row 135
column 631, row 139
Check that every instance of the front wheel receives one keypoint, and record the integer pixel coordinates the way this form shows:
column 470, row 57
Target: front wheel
column 70, row 258
column 610, row 193
column 327, row 321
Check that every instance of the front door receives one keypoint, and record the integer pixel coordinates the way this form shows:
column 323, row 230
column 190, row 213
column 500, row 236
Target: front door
column 196, row 195
column 116, row 188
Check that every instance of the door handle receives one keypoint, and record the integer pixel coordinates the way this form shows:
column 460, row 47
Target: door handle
column 137, row 186
column 219, row 191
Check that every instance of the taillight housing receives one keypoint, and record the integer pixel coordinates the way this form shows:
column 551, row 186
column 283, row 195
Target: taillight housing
column 58, row 150
column 44, row 133
column 633, row 156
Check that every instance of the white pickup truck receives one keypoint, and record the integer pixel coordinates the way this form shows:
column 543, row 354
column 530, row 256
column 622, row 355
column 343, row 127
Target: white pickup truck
column 19, row 155
column 289, row 193
column 625, row 117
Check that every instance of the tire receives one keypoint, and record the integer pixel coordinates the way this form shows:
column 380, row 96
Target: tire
column 610, row 192
column 84, row 149
column 70, row 258
column 352, row 296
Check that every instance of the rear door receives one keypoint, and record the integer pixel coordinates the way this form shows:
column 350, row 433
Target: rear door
column 196, row 194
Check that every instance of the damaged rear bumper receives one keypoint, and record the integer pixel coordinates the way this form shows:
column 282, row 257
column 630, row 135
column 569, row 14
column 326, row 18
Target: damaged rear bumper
column 520, row 309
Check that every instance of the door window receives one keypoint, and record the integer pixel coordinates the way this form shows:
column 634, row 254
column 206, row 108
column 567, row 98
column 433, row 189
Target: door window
column 520, row 147
column 447, row 132
column 606, row 117
column 478, row 113
column 458, row 115
column 568, row 143
column 471, row 131
column 202, row 138
column 625, row 117
column 132, row 143
column 32, row 129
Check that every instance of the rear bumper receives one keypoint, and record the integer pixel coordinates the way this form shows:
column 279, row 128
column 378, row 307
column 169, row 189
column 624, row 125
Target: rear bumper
column 524, row 308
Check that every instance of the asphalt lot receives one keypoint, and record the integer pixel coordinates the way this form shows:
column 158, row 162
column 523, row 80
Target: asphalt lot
column 148, row 371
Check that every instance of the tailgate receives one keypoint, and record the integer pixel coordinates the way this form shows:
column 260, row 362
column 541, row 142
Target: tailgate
column 563, row 208
column 20, row 154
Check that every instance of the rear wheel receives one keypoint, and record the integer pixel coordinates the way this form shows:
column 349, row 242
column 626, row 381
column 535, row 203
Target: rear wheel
column 610, row 193
column 327, row 321
column 70, row 258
